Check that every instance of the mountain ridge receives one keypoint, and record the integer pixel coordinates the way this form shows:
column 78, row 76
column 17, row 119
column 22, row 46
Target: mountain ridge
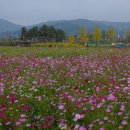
column 6, row 25
column 69, row 26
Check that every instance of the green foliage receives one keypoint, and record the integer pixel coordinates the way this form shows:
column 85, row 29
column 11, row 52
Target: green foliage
column 53, row 51
column 33, row 33
column 44, row 34
column 23, row 33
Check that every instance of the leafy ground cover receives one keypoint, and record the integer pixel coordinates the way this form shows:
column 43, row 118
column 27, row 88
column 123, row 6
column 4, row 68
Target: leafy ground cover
column 71, row 89
column 53, row 51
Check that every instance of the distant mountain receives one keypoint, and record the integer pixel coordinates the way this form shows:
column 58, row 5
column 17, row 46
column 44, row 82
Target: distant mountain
column 8, row 28
column 6, row 25
column 69, row 26
column 73, row 26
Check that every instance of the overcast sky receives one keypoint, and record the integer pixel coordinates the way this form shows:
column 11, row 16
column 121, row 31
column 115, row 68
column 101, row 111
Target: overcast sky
column 27, row 12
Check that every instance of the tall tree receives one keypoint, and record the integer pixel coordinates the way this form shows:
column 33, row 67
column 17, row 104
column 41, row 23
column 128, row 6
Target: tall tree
column 44, row 33
column 97, row 34
column 128, row 36
column 104, row 35
column 111, row 34
column 60, row 35
column 23, row 33
column 71, row 38
column 52, row 34
column 83, row 35
column 33, row 33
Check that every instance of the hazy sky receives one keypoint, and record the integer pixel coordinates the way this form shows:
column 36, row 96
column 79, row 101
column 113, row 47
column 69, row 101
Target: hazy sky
column 27, row 12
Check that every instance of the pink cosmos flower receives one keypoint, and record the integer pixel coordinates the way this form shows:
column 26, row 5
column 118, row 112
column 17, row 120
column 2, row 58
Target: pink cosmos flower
column 90, row 125
column 1, row 85
column 46, row 126
column 99, row 105
column 35, row 82
column 8, row 122
column 101, row 122
column 124, row 122
column 117, row 87
column 23, row 120
column 92, row 108
column 76, row 127
column 2, row 115
column 119, row 113
column 82, row 128
column 102, row 129
column 125, row 89
column 128, row 80
column 122, row 108
column 106, row 118
column 61, row 107
column 111, row 97
column 62, row 121
column 18, row 123
column 120, row 127
column 77, row 116
column 22, row 115
column 108, row 110
column 28, row 125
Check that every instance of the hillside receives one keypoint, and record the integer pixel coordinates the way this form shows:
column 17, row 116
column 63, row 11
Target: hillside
column 69, row 26
column 73, row 26
column 8, row 26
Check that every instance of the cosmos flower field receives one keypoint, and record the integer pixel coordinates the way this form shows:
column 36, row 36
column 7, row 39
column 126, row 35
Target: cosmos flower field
column 86, row 91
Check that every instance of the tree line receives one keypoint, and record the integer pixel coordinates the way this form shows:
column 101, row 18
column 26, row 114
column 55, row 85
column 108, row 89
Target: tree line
column 100, row 36
column 50, row 34
column 44, row 33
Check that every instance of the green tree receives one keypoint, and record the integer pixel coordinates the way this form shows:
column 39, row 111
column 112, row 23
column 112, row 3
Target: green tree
column 111, row 34
column 71, row 38
column 44, row 33
column 33, row 33
column 97, row 34
column 104, row 35
column 60, row 35
column 83, row 36
column 23, row 33
column 51, row 34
